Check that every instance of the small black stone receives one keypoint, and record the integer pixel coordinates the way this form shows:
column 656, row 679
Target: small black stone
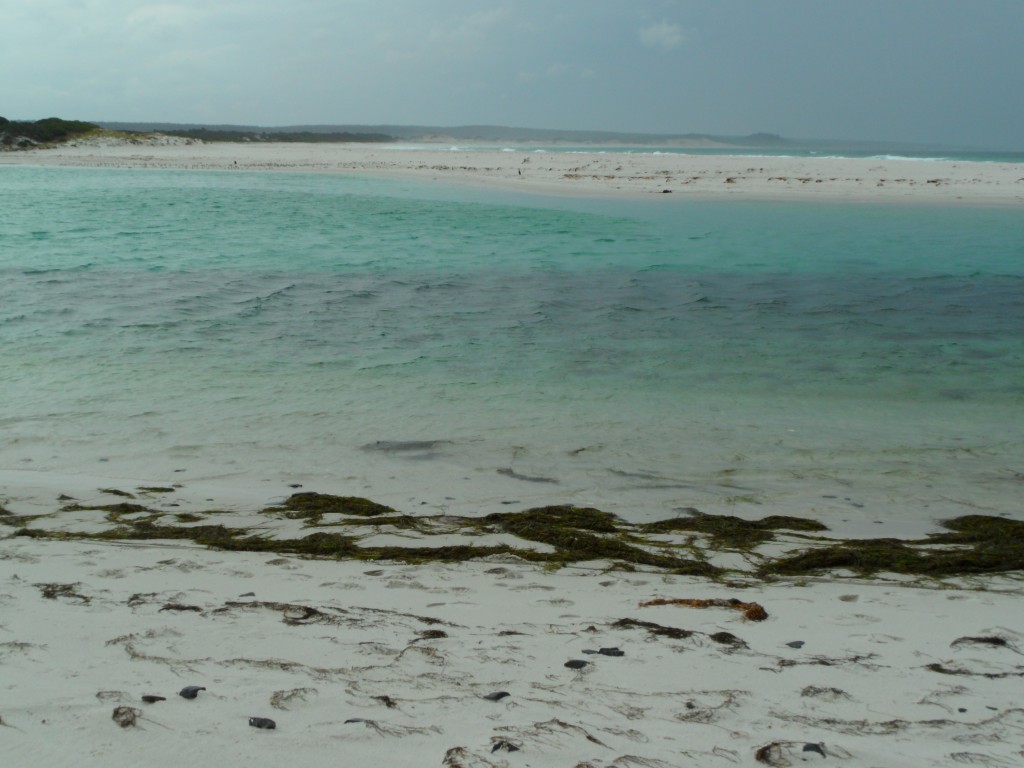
column 497, row 695
column 262, row 722
column 190, row 691
column 151, row 699
column 819, row 748
column 576, row 664
column 508, row 746
column 796, row 644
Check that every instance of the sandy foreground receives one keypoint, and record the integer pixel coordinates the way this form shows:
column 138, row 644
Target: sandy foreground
column 464, row 665
column 575, row 173
column 493, row 662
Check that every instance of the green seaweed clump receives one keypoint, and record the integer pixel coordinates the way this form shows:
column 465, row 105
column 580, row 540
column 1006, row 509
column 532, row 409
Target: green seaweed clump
column 730, row 532
column 117, row 492
column 114, row 511
column 312, row 507
column 567, row 529
column 458, row 553
column 975, row 544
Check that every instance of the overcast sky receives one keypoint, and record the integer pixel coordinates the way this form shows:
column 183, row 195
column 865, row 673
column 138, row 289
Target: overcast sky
column 933, row 71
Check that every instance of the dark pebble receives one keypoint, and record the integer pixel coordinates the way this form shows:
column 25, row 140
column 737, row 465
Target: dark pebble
column 607, row 652
column 796, row 644
column 961, row 709
column 262, row 722
column 576, row 664
column 190, row 691
column 507, row 746
column 815, row 748
column 150, row 699
column 497, row 695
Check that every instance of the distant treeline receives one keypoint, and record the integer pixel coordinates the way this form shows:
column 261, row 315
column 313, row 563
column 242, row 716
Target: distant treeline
column 14, row 133
column 211, row 134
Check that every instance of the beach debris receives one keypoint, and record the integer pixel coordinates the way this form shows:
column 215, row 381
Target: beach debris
column 281, row 699
column 577, row 664
column 943, row 670
column 673, row 633
column 771, row 754
column 997, row 642
column 262, row 722
column 496, row 696
column 190, row 691
column 117, row 492
column 125, row 716
column 180, row 607
column 153, row 699
column 387, row 701
column 828, row 694
column 751, row 611
column 796, row 644
column 53, row 591
column 727, row 638
column 506, row 746
column 819, row 748
column 431, row 634
column 606, row 652
column 526, row 478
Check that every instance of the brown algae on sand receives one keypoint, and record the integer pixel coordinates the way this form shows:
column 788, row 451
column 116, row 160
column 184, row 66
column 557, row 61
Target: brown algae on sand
column 973, row 544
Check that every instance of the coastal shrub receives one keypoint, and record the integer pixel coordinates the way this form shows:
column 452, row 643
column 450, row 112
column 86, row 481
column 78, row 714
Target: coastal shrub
column 45, row 131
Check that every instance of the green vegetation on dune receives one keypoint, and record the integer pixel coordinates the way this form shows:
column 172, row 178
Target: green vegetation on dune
column 22, row 135
column 236, row 135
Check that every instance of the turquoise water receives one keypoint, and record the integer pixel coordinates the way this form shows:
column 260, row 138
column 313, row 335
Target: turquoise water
column 463, row 349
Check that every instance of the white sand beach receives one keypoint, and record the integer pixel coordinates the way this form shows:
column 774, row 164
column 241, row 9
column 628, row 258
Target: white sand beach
column 578, row 173
column 464, row 664
column 496, row 661
column 393, row 664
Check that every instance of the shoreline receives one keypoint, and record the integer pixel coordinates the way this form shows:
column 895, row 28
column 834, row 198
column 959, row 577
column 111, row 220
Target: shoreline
column 623, row 175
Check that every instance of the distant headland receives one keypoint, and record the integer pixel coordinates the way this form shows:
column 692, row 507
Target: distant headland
column 53, row 130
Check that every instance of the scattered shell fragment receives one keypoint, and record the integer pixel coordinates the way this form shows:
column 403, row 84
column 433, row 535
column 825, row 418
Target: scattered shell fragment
column 125, row 716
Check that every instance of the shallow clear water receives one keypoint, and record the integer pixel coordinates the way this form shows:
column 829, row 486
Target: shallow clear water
column 856, row 363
